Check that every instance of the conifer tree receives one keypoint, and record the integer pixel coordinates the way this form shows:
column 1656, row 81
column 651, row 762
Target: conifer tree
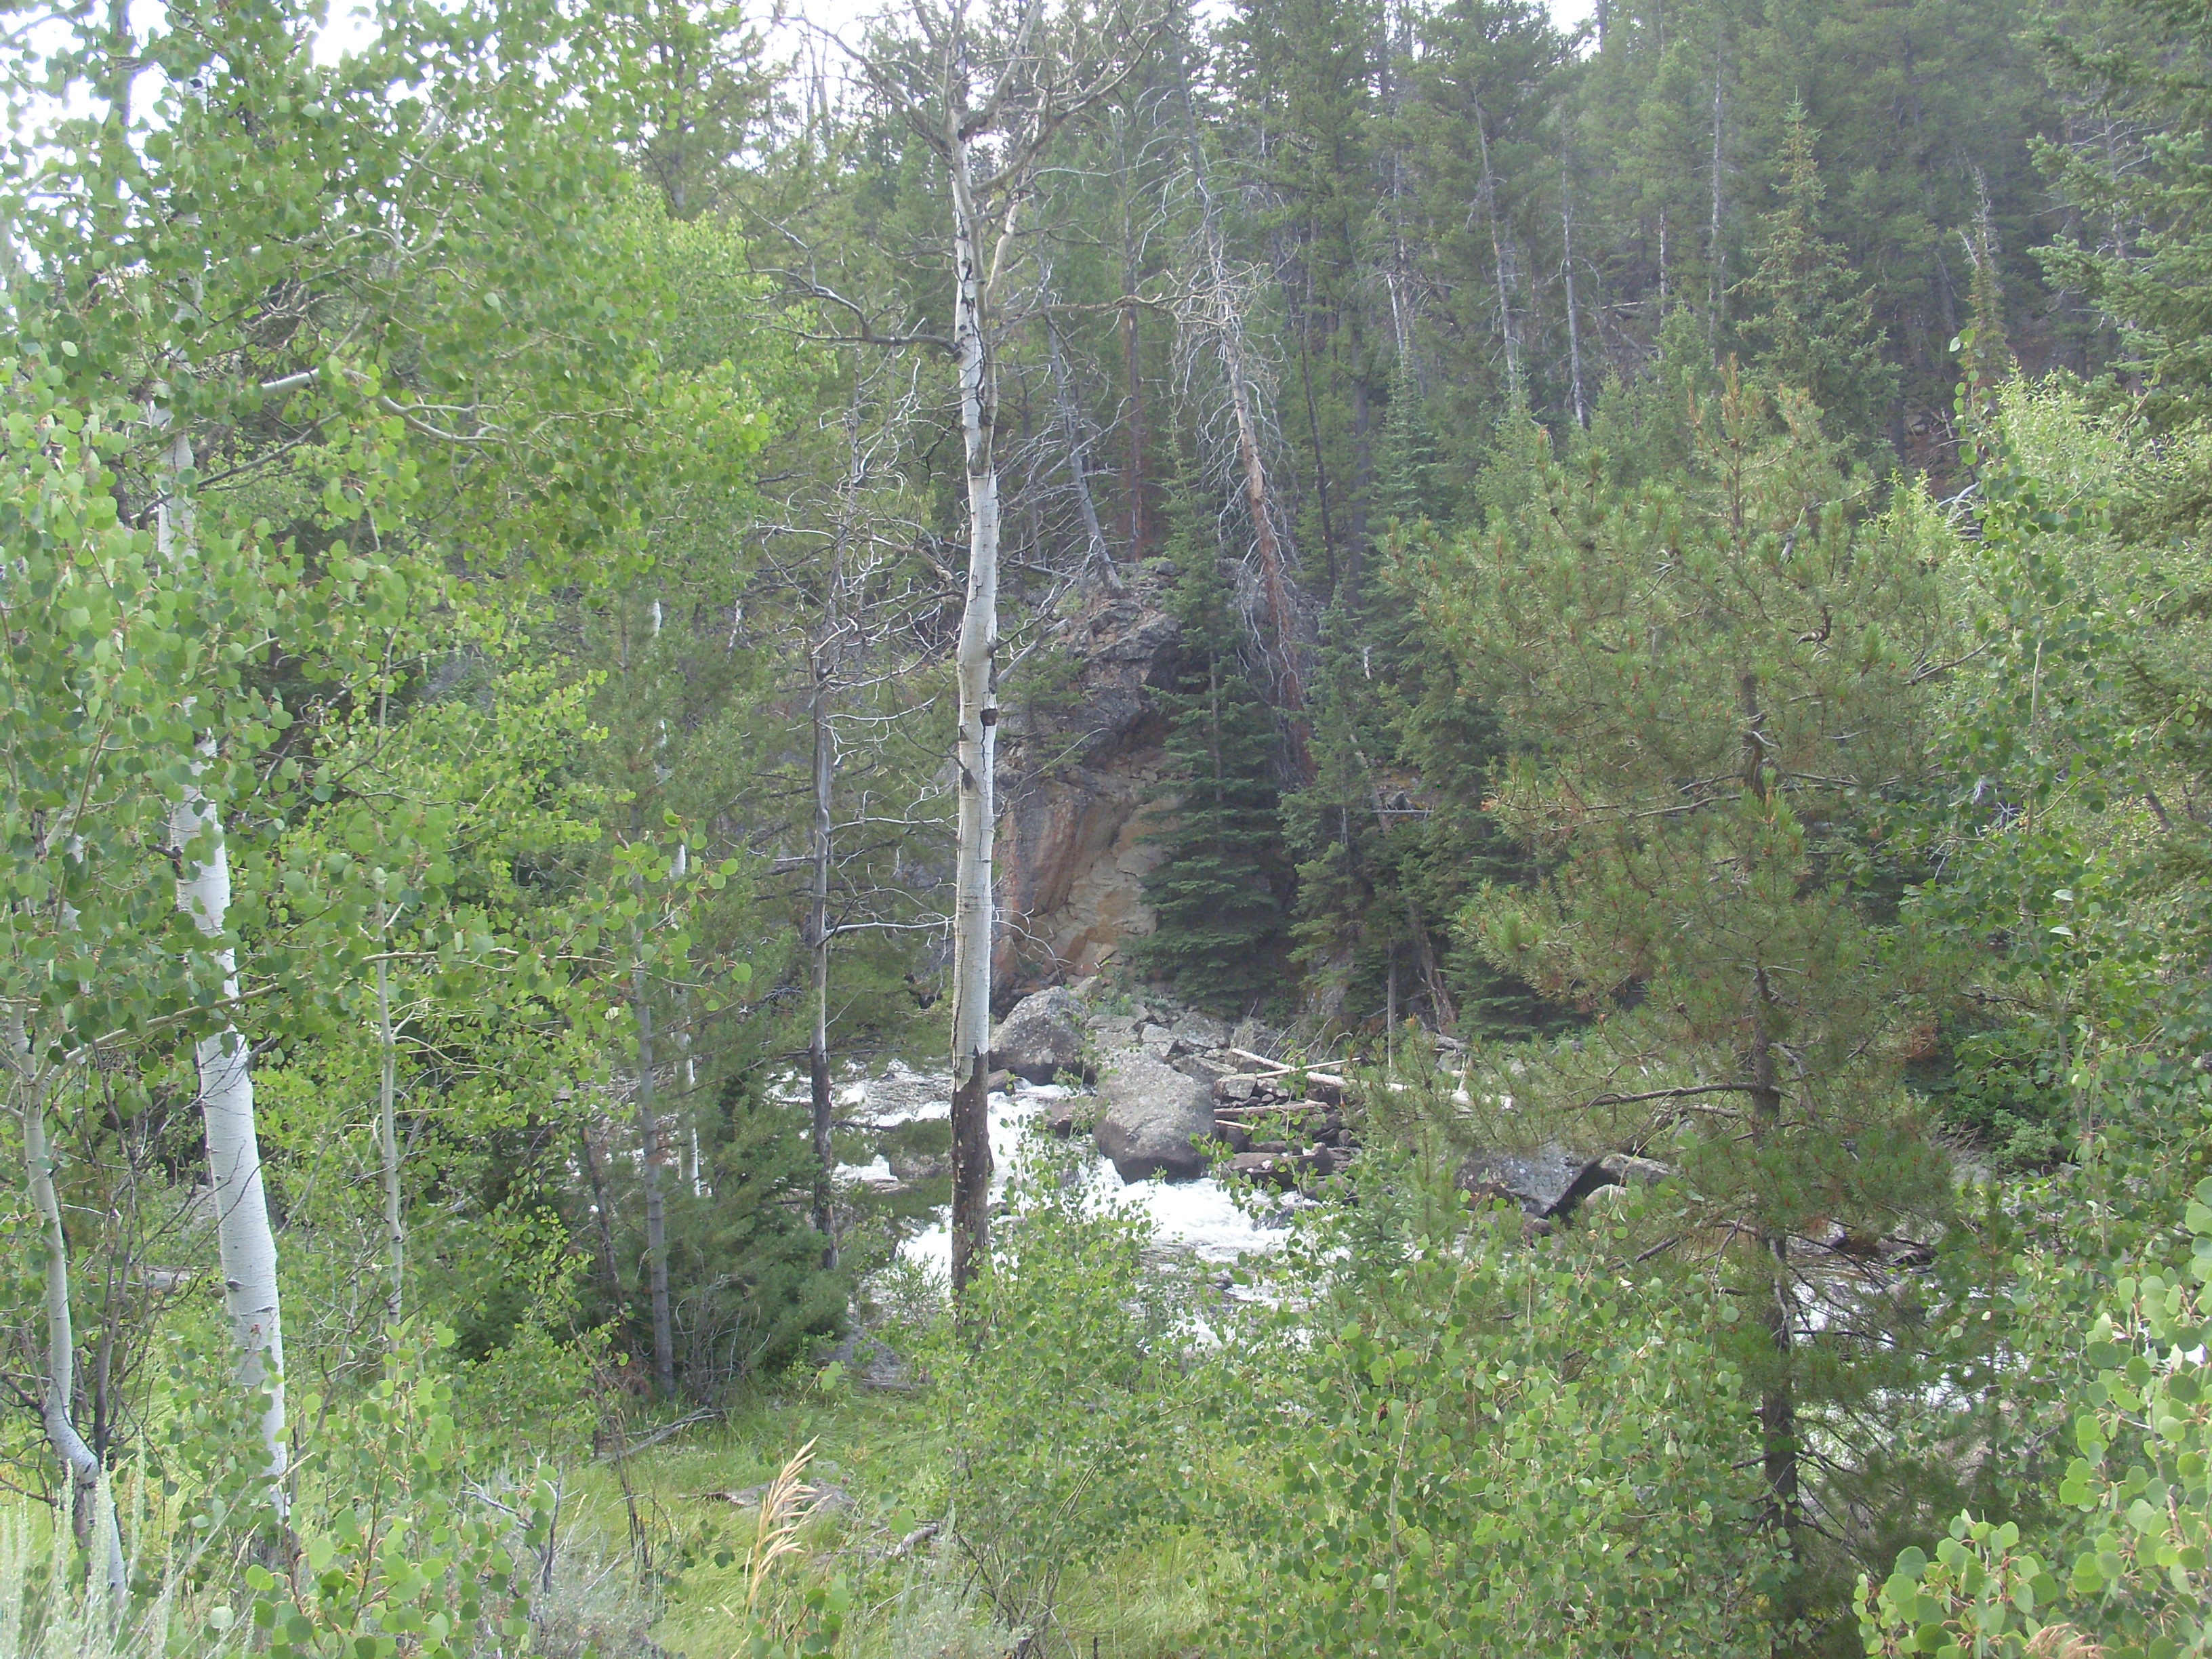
column 1221, row 930
column 1814, row 329
column 1706, row 686
column 2142, row 252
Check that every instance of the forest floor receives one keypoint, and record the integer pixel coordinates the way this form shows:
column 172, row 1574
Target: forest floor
column 878, row 1464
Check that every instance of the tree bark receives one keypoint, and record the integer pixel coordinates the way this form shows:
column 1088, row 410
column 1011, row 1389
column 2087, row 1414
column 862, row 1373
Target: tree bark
column 1777, row 1403
column 602, row 1215
column 975, row 671
column 245, row 1242
column 1079, row 461
column 1501, row 256
column 1718, row 287
column 1132, row 357
column 87, row 1475
column 1567, row 267
column 387, row 1122
column 817, row 928
column 1229, row 327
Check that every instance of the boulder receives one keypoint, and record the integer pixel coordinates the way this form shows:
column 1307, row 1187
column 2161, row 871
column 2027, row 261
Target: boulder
column 1233, row 1089
column 910, row 1166
column 1547, row 1181
column 902, row 1096
column 1286, row 1169
column 1063, row 1118
column 1155, row 1118
column 1201, row 1030
column 1629, row 1170
column 1264, row 1169
column 1257, row 1035
column 1203, row 1067
column 1041, row 1037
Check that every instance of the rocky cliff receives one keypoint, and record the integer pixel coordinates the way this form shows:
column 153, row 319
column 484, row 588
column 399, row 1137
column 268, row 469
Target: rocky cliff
column 1079, row 755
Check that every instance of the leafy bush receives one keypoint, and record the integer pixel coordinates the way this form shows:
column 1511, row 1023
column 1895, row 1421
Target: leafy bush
column 2122, row 1570
column 1479, row 1447
column 1075, row 1391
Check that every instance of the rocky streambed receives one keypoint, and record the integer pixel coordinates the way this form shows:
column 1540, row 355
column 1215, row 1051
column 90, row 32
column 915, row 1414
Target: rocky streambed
column 1206, row 1128
column 1157, row 1091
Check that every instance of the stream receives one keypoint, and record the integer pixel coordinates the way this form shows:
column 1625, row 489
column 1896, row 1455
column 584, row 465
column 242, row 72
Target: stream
column 1199, row 1217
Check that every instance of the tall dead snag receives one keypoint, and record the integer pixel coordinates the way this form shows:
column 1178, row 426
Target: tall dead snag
column 1222, row 316
column 988, row 103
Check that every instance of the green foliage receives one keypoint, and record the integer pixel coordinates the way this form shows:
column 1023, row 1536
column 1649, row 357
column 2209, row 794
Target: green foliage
column 2149, row 272
column 401, row 1554
column 1080, row 1417
column 1484, row 1448
column 1710, row 687
column 1221, row 927
column 1813, row 326
column 2120, row 1571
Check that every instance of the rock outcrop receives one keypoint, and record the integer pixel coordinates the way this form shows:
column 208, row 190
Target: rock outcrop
column 1078, row 759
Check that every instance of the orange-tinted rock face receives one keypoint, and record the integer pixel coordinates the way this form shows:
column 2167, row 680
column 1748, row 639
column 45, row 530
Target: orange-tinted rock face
column 1078, row 756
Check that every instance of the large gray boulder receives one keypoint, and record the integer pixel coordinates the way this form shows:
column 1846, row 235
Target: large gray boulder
column 1544, row 1180
column 1154, row 1119
column 1041, row 1037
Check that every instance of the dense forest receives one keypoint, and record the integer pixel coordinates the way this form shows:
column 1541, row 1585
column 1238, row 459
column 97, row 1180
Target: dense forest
column 576, row 572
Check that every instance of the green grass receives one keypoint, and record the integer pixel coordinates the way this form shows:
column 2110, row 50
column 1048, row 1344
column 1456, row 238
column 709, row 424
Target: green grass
column 883, row 1452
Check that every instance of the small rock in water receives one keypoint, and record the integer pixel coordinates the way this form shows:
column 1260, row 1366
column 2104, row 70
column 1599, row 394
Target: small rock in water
column 1061, row 1116
column 917, row 1166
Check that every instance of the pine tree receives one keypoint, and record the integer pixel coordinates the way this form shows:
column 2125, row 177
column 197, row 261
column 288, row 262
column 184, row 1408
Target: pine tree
column 1814, row 331
column 1703, row 684
column 1221, row 929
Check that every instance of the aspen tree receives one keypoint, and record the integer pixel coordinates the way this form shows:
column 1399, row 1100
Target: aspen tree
column 245, row 1242
column 987, row 106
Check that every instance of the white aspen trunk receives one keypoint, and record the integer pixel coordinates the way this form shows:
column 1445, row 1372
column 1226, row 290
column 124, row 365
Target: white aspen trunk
column 245, row 1243
column 817, row 930
column 87, row 1474
column 387, row 1120
column 975, row 672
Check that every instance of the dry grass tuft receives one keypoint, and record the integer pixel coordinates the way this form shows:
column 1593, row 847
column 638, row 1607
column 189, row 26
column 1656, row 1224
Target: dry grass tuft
column 785, row 1508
